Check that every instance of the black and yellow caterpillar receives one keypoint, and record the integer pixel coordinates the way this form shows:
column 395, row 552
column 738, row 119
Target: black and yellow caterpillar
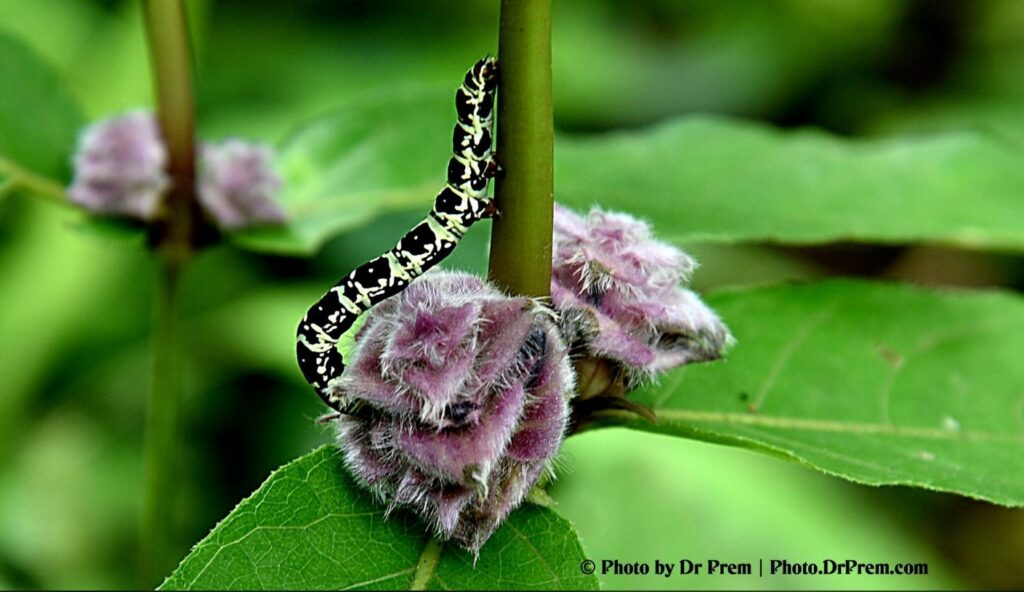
column 461, row 203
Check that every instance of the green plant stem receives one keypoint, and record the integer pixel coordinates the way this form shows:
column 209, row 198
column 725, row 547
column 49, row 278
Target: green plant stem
column 521, row 238
column 21, row 178
column 173, row 240
column 171, row 59
column 162, row 446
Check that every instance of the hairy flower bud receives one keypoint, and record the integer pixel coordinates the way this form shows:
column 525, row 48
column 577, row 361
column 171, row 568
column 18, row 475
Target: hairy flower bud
column 620, row 295
column 237, row 184
column 457, row 401
column 119, row 167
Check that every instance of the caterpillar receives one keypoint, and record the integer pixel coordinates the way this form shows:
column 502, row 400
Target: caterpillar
column 462, row 202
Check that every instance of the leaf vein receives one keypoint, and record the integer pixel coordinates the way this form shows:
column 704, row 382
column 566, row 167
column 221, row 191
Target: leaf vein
column 826, row 425
column 787, row 352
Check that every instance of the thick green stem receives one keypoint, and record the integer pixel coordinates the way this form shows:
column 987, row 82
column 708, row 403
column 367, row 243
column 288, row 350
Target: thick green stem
column 521, row 237
column 173, row 238
column 171, row 60
column 161, row 451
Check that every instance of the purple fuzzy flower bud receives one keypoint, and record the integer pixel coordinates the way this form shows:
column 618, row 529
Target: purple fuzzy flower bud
column 237, row 184
column 620, row 295
column 458, row 401
column 119, row 167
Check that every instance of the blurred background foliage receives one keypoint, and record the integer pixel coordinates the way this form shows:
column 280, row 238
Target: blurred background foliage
column 75, row 305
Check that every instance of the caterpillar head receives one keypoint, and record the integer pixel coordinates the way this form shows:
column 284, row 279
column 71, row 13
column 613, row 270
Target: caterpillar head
column 483, row 75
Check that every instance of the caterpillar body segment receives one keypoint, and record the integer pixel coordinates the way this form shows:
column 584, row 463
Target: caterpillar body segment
column 462, row 202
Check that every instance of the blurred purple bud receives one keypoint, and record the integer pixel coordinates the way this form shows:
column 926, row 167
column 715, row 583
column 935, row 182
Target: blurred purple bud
column 619, row 292
column 459, row 401
column 119, row 167
column 237, row 185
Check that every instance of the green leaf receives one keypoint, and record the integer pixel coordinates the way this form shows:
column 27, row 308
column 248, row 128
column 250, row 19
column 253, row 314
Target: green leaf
column 675, row 498
column 718, row 180
column 880, row 384
column 379, row 153
column 309, row 526
column 38, row 118
column 699, row 179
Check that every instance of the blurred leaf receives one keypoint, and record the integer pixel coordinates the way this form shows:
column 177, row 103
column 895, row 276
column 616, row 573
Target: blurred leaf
column 880, row 384
column 993, row 53
column 309, row 526
column 720, row 180
column 299, row 67
column 232, row 336
column 69, row 502
column 115, row 74
column 60, row 291
column 58, row 30
column 700, row 179
column 99, row 50
column 38, row 118
column 383, row 152
column 621, row 64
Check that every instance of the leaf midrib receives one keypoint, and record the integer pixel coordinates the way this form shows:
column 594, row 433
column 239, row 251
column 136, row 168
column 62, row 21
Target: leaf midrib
column 825, row 425
column 427, row 564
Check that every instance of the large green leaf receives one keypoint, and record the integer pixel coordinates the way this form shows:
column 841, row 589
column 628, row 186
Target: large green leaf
column 719, row 180
column 378, row 153
column 881, row 384
column 675, row 498
column 309, row 526
column 699, row 179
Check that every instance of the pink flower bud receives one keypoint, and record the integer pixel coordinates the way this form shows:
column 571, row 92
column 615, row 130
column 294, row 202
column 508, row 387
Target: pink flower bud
column 458, row 399
column 120, row 170
column 237, row 185
column 621, row 296
column 119, row 167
